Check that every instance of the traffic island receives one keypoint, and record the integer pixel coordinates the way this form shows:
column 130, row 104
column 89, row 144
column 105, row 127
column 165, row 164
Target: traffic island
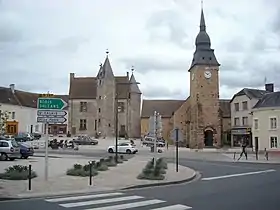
column 122, row 176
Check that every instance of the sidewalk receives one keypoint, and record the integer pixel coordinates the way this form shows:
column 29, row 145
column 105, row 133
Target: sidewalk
column 116, row 178
column 252, row 158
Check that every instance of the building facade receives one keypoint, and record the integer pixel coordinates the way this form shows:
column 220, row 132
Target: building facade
column 94, row 101
column 266, row 122
column 241, row 114
column 21, row 107
column 200, row 117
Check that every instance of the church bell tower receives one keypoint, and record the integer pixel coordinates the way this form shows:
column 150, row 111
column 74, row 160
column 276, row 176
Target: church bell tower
column 205, row 125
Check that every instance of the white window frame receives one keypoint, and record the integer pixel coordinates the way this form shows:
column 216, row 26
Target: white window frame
column 273, row 117
column 277, row 139
column 254, row 124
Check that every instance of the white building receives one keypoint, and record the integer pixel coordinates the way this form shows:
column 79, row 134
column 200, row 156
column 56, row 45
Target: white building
column 22, row 109
column 266, row 122
column 241, row 106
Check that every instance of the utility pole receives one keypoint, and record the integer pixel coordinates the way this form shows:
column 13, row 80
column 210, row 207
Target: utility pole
column 116, row 125
column 155, row 134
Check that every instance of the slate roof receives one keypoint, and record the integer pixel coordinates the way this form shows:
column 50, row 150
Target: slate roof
column 269, row 100
column 22, row 98
column 203, row 54
column 251, row 93
column 164, row 107
column 167, row 107
column 86, row 87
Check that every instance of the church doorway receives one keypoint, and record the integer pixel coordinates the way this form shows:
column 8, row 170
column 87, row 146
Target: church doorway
column 208, row 138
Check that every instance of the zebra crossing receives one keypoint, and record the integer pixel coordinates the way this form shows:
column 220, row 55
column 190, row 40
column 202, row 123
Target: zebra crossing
column 114, row 201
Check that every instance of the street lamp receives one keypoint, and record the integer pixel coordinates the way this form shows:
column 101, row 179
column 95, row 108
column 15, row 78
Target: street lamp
column 117, row 112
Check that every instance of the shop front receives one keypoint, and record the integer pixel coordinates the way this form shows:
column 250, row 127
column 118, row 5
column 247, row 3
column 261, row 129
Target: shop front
column 240, row 134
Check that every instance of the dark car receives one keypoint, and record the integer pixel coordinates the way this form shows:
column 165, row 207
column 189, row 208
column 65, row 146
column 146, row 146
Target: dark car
column 85, row 140
column 26, row 150
column 23, row 137
column 36, row 136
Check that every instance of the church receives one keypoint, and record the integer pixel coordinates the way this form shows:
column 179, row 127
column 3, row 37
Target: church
column 203, row 118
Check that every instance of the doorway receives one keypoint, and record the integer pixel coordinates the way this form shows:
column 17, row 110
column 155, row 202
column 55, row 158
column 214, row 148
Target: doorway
column 208, row 138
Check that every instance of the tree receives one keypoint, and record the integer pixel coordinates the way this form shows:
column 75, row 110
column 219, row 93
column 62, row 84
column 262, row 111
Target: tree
column 4, row 116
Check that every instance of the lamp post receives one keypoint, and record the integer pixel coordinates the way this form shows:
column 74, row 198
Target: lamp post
column 117, row 112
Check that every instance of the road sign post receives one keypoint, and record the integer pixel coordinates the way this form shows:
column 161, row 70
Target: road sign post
column 50, row 111
column 177, row 137
column 177, row 149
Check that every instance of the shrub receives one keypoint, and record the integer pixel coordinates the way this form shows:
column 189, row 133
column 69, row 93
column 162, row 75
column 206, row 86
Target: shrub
column 101, row 166
column 161, row 163
column 153, row 172
column 77, row 166
column 110, row 162
column 80, row 170
column 17, row 172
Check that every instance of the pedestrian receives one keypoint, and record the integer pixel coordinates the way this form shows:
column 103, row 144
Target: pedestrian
column 244, row 145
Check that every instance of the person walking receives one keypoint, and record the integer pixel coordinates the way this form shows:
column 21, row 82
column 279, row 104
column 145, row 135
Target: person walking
column 244, row 145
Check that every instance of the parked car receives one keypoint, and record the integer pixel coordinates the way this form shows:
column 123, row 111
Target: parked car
column 149, row 141
column 85, row 140
column 36, row 136
column 9, row 149
column 26, row 150
column 22, row 137
column 124, row 147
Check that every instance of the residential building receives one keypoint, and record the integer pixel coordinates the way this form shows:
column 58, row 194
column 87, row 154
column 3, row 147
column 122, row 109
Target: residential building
column 266, row 122
column 241, row 113
column 93, row 102
column 22, row 109
column 200, row 117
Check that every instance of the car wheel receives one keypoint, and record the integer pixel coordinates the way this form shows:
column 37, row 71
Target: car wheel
column 110, row 150
column 12, row 159
column 25, row 157
column 128, row 151
column 3, row 156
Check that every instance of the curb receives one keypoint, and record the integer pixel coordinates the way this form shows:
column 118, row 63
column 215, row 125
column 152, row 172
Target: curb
column 195, row 174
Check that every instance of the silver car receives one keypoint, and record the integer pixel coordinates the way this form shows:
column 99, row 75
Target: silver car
column 9, row 149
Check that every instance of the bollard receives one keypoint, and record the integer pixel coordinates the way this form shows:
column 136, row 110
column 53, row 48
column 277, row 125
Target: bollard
column 90, row 173
column 257, row 155
column 29, row 177
column 234, row 155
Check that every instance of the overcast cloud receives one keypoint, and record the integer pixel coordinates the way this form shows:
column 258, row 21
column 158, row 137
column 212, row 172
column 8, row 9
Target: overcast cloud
column 41, row 42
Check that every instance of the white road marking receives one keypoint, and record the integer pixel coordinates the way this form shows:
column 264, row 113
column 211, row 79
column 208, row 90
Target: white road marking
column 102, row 201
column 129, row 205
column 235, row 175
column 174, row 207
column 82, row 197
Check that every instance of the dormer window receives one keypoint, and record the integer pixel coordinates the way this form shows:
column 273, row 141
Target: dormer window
column 210, row 58
column 202, row 58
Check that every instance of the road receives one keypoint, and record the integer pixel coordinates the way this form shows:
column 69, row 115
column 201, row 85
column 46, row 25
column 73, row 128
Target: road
column 222, row 186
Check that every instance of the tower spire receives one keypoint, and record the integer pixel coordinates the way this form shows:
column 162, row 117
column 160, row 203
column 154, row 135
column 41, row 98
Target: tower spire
column 202, row 19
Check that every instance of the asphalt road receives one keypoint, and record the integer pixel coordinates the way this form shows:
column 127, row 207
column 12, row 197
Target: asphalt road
column 222, row 186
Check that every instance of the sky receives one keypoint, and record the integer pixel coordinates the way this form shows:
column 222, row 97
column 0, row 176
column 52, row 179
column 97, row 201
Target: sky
column 43, row 41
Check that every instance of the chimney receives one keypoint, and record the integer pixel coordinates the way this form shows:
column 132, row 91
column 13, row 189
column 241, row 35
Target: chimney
column 269, row 87
column 12, row 87
column 127, row 74
column 72, row 76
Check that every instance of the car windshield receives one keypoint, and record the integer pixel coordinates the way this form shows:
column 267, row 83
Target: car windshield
column 14, row 143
